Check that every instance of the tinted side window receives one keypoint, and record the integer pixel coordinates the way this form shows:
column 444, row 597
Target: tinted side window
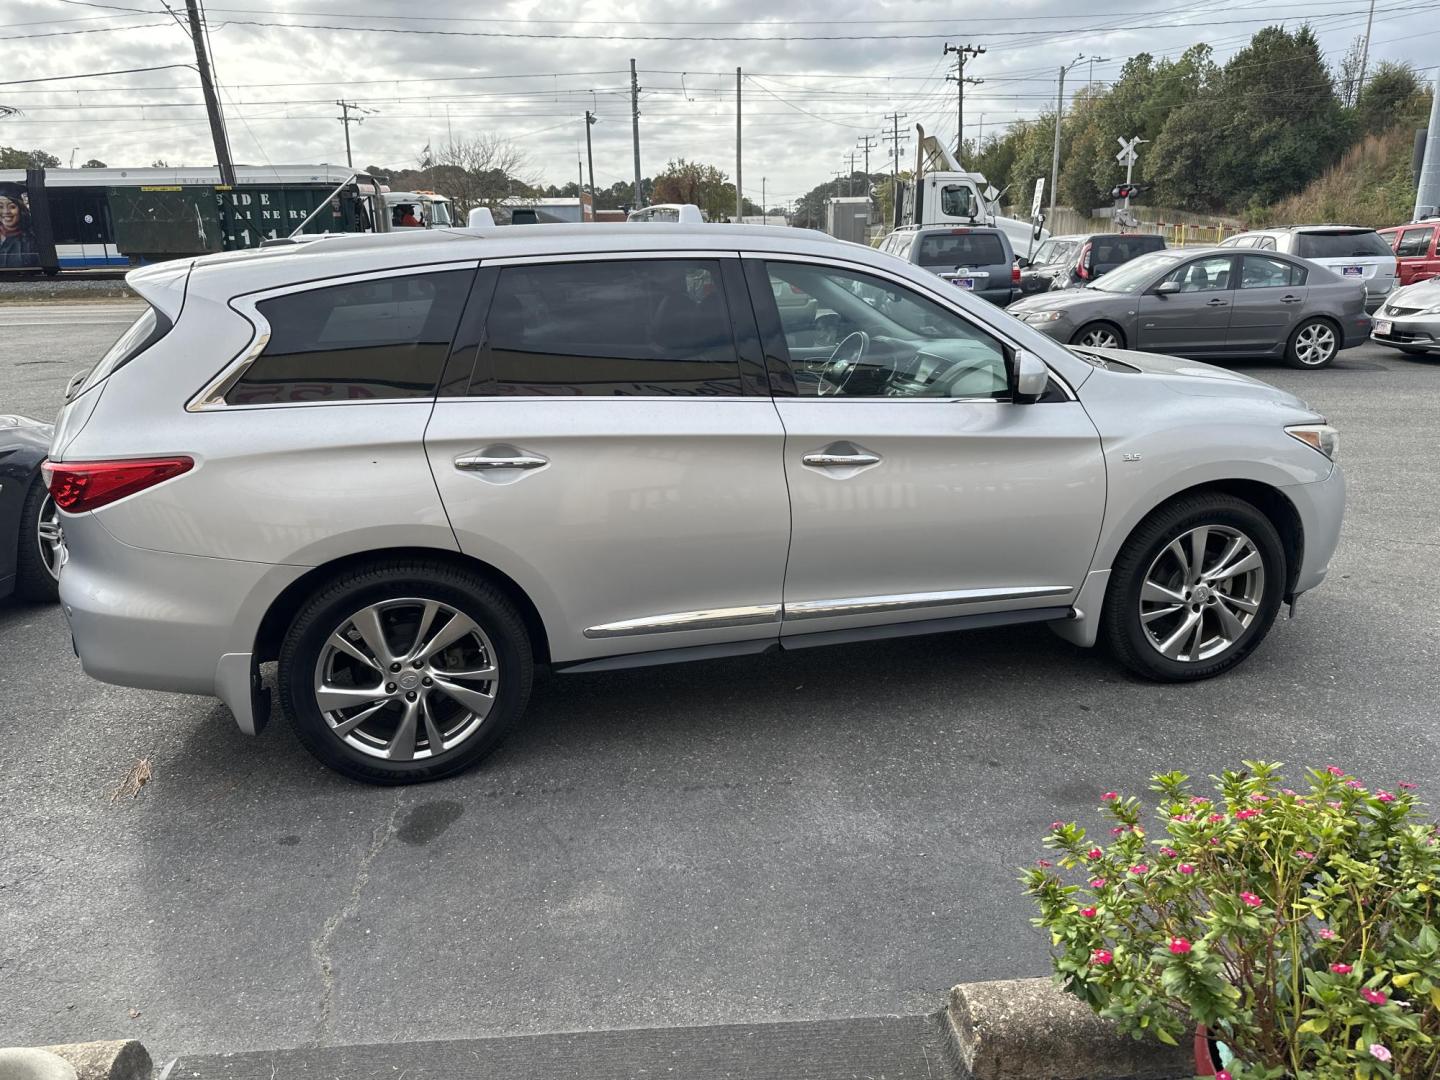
column 1258, row 272
column 628, row 328
column 1413, row 242
column 962, row 249
column 365, row 340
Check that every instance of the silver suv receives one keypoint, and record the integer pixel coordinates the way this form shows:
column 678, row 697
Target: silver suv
column 410, row 468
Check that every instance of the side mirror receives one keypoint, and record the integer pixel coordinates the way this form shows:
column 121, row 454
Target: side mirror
column 1166, row 288
column 1031, row 377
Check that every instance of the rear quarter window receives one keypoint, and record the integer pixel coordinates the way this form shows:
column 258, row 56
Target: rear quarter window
column 1115, row 250
column 377, row 339
column 1341, row 245
column 145, row 331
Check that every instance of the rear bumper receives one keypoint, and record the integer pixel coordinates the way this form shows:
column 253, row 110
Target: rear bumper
column 163, row 621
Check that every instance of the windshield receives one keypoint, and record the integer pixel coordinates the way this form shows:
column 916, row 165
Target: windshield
column 1136, row 274
column 440, row 213
column 1341, row 245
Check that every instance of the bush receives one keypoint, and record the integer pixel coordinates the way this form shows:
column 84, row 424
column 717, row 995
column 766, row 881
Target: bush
column 1298, row 927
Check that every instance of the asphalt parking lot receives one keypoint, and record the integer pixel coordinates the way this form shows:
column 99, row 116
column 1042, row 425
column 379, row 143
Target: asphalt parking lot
column 820, row 834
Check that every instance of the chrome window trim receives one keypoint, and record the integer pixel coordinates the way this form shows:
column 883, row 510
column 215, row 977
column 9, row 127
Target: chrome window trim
column 211, row 396
column 925, row 290
column 622, row 255
column 762, row 614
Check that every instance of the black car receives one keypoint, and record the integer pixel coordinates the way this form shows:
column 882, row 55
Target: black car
column 31, row 547
column 1065, row 262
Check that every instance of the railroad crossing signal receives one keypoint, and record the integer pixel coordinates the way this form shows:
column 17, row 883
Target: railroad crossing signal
column 990, row 193
column 1128, row 153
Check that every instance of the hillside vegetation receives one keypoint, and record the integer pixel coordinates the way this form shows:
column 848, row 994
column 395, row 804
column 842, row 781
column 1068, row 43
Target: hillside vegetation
column 1370, row 185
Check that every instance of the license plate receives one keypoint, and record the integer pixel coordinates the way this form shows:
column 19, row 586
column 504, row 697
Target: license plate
column 965, row 282
column 1383, row 327
column 1353, row 271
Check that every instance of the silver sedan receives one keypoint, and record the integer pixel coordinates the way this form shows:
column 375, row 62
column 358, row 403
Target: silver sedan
column 1410, row 319
column 1209, row 303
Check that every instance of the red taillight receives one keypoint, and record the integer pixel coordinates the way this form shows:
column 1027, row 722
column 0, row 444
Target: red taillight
column 1014, row 274
column 78, row 486
column 1082, row 271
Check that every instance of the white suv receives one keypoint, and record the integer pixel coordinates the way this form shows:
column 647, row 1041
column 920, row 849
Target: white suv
column 411, row 467
column 1353, row 252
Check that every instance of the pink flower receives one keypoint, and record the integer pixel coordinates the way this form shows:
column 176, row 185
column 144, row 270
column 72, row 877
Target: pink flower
column 1110, row 796
column 1097, row 883
column 1384, row 796
column 1169, row 852
column 1241, row 815
column 1101, row 956
column 1223, row 1074
column 1118, row 830
column 1214, row 840
column 1094, row 853
column 1355, row 784
column 1326, row 934
column 1198, row 800
column 1179, row 946
column 1250, row 899
column 1140, row 868
column 1185, row 868
column 1405, row 785
column 1308, row 856
column 1256, row 796
column 1374, row 997
column 1216, row 817
column 1287, row 791
column 1336, row 805
column 1378, row 1052
column 1334, row 770
column 1181, row 817
column 1056, row 826
column 1341, row 969
column 1043, row 862
column 1089, row 912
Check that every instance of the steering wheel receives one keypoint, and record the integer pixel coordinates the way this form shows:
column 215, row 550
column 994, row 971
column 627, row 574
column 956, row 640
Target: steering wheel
column 843, row 363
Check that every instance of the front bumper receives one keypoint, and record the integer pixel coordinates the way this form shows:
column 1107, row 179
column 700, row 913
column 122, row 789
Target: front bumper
column 1408, row 331
column 1321, row 507
column 163, row 621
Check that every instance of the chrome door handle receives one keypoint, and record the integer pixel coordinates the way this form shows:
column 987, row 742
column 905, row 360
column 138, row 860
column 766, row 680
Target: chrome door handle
column 480, row 463
column 832, row 461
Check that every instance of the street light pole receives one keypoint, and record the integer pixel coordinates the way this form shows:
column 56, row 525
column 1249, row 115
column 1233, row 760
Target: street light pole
column 1059, row 119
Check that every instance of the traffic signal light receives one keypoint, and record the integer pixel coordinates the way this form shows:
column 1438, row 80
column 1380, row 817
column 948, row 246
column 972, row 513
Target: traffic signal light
column 1125, row 191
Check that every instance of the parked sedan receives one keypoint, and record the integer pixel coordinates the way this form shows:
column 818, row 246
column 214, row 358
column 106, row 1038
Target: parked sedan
column 1209, row 303
column 1410, row 319
column 30, row 545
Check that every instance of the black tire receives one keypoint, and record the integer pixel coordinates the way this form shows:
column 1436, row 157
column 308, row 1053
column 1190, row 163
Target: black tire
column 1294, row 350
column 1121, row 625
column 331, row 606
column 1101, row 327
column 34, row 583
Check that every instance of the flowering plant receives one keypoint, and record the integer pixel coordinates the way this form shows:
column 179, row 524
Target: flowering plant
column 1300, row 928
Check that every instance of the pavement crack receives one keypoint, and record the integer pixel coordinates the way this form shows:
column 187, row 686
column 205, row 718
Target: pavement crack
column 320, row 946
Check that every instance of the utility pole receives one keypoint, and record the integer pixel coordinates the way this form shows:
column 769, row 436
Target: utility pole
column 1427, row 195
column 346, row 120
column 635, row 130
column 961, row 53
column 739, row 188
column 865, row 144
column 1365, row 52
column 980, row 135
column 893, row 137
column 589, row 152
column 212, row 102
column 850, row 176
column 764, row 211
column 1059, row 118
column 1093, row 61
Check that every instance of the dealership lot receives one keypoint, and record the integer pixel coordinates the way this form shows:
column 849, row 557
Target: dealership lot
column 820, row 834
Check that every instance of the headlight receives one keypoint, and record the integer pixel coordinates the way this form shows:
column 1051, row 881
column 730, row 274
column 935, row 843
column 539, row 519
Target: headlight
column 1321, row 437
column 1041, row 316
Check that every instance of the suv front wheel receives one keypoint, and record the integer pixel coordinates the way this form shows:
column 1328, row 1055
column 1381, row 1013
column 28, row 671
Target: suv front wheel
column 1195, row 589
column 401, row 672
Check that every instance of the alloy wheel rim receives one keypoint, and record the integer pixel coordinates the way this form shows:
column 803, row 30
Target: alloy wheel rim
column 1099, row 339
column 1316, row 344
column 1201, row 593
column 49, row 538
column 406, row 679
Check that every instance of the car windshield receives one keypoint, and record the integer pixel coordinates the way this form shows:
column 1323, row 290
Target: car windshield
column 1341, row 245
column 1136, row 274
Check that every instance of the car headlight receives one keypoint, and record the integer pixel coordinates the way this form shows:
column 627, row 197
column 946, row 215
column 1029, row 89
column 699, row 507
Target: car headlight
column 1320, row 437
column 1041, row 316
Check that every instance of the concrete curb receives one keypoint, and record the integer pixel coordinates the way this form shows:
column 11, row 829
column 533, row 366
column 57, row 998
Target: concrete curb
column 1030, row 1029
column 120, row 1059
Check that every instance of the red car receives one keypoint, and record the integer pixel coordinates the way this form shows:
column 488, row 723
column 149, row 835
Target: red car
column 1417, row 250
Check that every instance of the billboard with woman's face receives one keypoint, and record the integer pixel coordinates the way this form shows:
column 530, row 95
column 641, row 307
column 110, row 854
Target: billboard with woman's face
column 24, row 234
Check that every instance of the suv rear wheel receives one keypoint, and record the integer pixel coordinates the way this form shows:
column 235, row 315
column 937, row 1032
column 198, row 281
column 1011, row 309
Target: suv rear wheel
column 402, row 672
column 1195, row 589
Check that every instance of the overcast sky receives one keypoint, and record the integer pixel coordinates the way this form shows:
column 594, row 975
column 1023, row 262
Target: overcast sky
column 820, row 74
